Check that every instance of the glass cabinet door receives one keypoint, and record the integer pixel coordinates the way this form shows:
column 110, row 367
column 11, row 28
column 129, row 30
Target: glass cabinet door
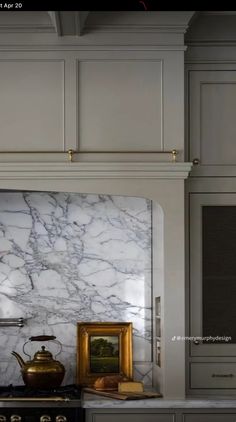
column 213, row 274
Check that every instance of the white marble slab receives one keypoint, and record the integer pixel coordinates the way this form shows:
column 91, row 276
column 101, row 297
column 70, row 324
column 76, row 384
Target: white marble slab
column 67, row 257
column 93, row 402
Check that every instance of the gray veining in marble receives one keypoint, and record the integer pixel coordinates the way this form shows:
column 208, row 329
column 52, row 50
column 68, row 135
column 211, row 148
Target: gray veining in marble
column 69, row 257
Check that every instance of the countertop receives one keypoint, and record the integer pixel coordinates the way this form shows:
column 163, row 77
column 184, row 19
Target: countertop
column 91, row 401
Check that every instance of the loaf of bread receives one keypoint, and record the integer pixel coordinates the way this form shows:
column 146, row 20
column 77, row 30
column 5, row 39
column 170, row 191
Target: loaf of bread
column 130, row 387
column 109, row 382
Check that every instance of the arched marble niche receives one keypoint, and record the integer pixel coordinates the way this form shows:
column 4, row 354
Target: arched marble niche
column 161, row 183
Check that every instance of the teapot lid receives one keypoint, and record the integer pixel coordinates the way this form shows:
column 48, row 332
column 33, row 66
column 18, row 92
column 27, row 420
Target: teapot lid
column 43, row 355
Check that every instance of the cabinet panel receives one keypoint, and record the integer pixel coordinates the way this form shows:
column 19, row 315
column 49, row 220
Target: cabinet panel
column 120, row 105
column 213, row 274
column 212, row 118
column 32, row 105
column 213, row 375
column 201, row 417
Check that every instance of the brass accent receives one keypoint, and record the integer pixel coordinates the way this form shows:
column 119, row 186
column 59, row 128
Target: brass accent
column 61, row 418
column 3, row 418
column 15, row 418
column 196, row 161
column 123, row 330
column 93, row 152
column 70, row 153
column 126, row 152
column 174, row 154
column 33, row 152
column 45, row 418
column 42, row 371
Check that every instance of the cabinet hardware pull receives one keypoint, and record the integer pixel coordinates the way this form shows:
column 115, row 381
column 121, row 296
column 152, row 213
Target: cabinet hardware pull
column 196, row 161
column 223, row 375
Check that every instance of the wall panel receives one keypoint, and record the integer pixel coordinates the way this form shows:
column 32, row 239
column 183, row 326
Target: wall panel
column 31, row 105
column 120, row 105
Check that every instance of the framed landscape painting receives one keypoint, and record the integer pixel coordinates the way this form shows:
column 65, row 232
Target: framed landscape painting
column 103, row 349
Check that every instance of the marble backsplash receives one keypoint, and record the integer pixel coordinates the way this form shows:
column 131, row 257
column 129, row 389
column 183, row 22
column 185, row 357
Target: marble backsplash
column 69, row 257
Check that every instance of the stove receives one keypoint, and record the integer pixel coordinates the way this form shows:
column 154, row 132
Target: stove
column 22, row 404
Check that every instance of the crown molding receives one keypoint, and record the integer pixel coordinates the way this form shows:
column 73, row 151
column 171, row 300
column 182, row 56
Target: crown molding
column 80, row 25
column 218, row 13
column 26, row 22
column 212, row 28
column 161, row 21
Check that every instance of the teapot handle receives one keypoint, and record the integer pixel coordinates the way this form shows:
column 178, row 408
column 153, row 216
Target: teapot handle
column 42, row 338
column 47, row 338
column 37, row 338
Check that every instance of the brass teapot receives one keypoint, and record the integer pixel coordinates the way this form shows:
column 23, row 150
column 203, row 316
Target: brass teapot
column 42, row 372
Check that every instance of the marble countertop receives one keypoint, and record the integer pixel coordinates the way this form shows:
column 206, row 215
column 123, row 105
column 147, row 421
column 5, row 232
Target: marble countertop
column 91, row 401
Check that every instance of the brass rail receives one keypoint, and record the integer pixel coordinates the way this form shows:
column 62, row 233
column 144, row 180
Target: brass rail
column 71, row 152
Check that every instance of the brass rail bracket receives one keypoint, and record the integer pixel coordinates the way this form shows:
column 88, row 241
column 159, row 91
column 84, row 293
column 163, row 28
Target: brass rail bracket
column 174, row 153
column 70, row 154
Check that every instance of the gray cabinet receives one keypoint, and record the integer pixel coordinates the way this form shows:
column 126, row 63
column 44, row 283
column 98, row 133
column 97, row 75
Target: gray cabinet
column 213, row 274
column 212, row 119
column 212, row 288
column 211, row 225
column 129, row 415
column 160, row 415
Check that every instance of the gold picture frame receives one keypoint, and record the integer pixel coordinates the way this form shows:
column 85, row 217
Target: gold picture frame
column 103, row 348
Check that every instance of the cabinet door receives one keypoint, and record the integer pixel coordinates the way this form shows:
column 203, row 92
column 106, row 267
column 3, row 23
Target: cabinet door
column 212, row 121
column 213, row 274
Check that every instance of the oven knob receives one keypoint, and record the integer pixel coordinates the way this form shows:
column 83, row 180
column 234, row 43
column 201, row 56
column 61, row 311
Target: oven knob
column 45, row 418
column 15, row 418
column 61, row 418
column 3, row 418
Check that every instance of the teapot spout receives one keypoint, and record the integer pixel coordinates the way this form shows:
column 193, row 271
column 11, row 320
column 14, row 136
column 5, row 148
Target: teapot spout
column 19, row 359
